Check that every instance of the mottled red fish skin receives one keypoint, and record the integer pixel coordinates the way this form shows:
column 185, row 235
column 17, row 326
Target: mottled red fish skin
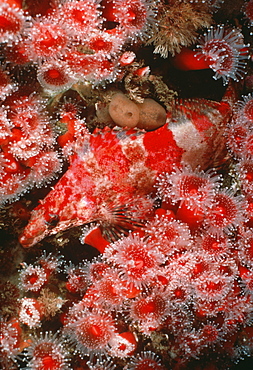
column 116, row 166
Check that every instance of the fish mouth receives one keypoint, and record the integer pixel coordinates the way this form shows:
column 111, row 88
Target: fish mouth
column 27, row 240
column 34, row 231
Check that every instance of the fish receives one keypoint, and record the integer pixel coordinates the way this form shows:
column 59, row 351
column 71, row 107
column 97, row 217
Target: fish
column 113, row 171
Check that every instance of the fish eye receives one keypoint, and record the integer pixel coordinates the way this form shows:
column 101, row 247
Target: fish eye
column 52, row 220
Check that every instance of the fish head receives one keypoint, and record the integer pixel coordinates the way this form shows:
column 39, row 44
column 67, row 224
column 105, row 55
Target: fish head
column 58, row 211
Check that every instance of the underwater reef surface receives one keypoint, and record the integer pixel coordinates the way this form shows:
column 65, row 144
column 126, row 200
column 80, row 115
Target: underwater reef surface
column 126, row 184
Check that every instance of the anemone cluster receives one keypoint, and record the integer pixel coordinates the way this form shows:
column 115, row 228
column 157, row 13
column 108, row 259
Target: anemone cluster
column 156, row 97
